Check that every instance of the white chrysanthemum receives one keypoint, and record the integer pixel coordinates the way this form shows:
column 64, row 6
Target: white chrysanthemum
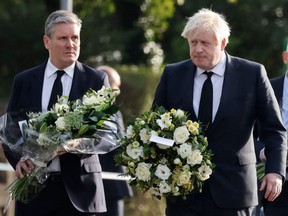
column 164, row 187
column 144, row 135
column 204, row 172
column 134, row 153
column 164, row 121
column 142, row 171
column 181, row 134
column 184, row 150
column 60, row 123
column 195, row 157
column 163, row 172
column 129, row 132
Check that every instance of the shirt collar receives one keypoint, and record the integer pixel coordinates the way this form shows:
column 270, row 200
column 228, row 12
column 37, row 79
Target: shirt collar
column 51, row 69
column 219, row 69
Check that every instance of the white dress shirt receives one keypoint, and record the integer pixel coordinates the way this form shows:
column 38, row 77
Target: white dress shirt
column 217, row 81
column 49, row 78
column 285, row 102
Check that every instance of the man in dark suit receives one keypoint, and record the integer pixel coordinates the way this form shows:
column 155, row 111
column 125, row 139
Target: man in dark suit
column 75, row 184
column 279, row 207
column 241, row 94
column 115, row 190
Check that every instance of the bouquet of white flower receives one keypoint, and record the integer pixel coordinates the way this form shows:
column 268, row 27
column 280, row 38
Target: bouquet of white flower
column 84, row 126
column 165, row 153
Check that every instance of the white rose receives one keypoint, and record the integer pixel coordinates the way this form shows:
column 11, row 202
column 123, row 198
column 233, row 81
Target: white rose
column 184, row 150
column 184, row 179
column 163, row 172
column 195, row 157
column 129, row 132
column 60, row 123
column 143, row 172
column 204, row 172
column 144, row 135
column 164, row 187
column 179, row 113
column 181, row 134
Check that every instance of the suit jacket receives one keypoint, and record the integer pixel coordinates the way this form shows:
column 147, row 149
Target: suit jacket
column 278, row 85
column 246, row 96
column 81, row 175
column 115, row 189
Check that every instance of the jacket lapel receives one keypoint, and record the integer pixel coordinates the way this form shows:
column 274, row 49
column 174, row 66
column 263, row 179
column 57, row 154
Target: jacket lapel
column 78, row 84
column 37, row 87
column 230, row 82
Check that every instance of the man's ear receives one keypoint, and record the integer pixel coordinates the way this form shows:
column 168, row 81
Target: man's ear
column 46, row 41
column 285, row 57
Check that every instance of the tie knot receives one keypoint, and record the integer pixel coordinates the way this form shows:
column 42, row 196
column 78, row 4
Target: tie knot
column 209, row 74
column 60, row 73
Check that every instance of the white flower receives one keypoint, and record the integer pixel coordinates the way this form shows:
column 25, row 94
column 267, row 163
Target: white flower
column 164, row 187
column 184, row 150
column 179, row 113
column 144, row 135
column 181, row 134
column 129, row 132
column 143, row 172
column 60, row 123
column 177, row 161
column 90, row 100
column 139, row 121
column 175, row 191
column 165, row 121
column 204, row 172
column 134, row 152
column 184, row 178
column 58, row 107
column 195, row 157
column 163, row 172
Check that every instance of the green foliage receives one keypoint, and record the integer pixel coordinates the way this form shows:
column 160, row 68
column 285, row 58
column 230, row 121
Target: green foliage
column 137, row 90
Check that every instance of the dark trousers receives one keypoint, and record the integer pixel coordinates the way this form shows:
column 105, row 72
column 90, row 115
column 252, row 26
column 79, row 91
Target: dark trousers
column 279, row 207
column 51, row 201
column 202, row 204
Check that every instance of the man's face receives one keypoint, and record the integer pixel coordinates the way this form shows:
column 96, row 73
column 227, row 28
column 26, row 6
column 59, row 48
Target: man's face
column 63, row 44
column 205, row 50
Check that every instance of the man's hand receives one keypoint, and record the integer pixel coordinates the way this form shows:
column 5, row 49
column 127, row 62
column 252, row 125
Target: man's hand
column 273, row 184
column 24, row 164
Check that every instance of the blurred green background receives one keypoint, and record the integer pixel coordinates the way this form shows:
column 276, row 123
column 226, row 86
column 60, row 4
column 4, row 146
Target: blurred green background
column 138, row 38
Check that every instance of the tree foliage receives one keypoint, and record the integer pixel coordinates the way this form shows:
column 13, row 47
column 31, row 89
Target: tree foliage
column 140, row 32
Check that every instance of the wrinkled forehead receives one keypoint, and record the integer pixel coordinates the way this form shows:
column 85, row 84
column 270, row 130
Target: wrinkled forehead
column 202, row 33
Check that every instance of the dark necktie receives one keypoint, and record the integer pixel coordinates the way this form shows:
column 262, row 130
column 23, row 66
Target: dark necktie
column 57, row 89
column 206, row 101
